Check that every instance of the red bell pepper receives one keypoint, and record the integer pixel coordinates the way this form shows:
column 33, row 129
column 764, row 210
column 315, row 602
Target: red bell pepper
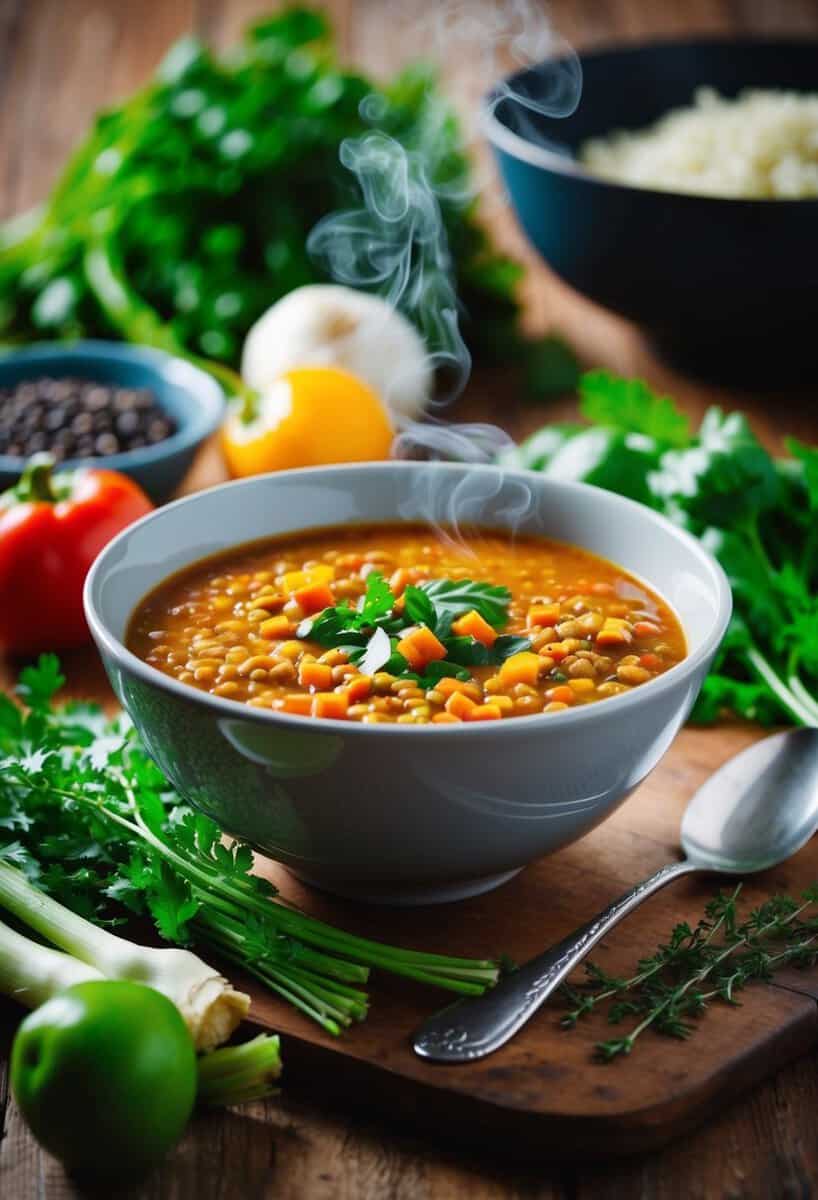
column 51, row 529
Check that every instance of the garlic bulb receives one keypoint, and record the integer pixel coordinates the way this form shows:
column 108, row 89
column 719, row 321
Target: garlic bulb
column 327, row 325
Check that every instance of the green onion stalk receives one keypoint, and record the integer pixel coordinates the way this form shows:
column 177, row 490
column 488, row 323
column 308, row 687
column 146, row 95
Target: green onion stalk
column 32, row 972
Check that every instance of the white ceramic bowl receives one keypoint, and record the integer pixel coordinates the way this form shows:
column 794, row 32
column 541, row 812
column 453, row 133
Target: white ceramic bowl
column 397, row 813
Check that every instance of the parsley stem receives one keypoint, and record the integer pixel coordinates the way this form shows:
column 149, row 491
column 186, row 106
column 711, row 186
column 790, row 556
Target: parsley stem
column 796, row 686
column 802, row 714
column 467, row 976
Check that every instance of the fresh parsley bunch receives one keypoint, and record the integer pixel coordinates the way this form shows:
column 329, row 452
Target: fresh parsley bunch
column 758, row 515
column 90, row 819
column 184, row 213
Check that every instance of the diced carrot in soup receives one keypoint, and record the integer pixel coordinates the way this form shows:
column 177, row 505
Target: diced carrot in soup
column 615, row 631
column 447, row 686
column 358, row 688
column 484, row 712
column 521, row 668
column 459, row 705
column 420, row 647
column 471, row 624
column 330, row 704
column 543, row 614
column 291, row 581
column 276, row 627
column 314, row 598
column 315, row 675
column 299, row 703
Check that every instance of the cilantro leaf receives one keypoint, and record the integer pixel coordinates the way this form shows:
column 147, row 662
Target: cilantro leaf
column 453, row 597
column 38, row 684
column 726, row 478
column 630, row 405
column 378, row 601
column 442, row 669
column 419, row 608
column 333, row 625
column 467, row 651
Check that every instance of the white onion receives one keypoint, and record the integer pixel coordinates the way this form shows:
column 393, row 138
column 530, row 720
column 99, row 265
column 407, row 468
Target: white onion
column 327, row 325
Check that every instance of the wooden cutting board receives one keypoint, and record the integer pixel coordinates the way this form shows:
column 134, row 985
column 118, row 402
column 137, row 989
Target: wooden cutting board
column 543, row 1094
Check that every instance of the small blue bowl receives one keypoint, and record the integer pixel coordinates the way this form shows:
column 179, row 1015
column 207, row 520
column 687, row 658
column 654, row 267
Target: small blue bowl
column 187, row 394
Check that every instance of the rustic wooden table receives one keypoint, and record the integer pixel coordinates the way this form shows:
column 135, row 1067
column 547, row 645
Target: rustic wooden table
column 60, row 60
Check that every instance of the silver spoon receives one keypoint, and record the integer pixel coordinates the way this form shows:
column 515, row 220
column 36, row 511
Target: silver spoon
column 755, row 812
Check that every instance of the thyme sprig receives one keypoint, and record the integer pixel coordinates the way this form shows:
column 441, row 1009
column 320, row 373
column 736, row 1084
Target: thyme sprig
column 672, row 988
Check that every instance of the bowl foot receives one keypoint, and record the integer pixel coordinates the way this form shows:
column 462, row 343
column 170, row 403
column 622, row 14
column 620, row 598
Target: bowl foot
column 411, row 894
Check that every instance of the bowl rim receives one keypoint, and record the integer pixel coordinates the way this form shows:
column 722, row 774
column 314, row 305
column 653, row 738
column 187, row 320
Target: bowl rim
column 207, row 393
column 225, row 708
column 514, row 144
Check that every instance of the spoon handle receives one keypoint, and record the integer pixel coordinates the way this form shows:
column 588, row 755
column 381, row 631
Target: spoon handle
column 471, row 1029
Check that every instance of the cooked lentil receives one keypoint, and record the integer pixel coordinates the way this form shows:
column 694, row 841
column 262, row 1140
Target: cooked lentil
column 594, row 630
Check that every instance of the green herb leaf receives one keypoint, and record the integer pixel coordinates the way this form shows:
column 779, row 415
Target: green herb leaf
column 378, row 601
column 630, row 405
column 419, row 608
column 453, row 597
column 38, row 685
column 756, row 514
column 90, row 819
column 672, row 988
column 808, row 457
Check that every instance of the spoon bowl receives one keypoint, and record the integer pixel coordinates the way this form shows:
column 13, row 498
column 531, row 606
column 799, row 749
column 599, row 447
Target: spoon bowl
column 758, row 809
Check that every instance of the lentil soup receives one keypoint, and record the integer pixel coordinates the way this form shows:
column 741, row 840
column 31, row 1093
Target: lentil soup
column 395, row 624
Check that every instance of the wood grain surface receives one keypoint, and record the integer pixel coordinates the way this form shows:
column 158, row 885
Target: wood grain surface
column 60, row 60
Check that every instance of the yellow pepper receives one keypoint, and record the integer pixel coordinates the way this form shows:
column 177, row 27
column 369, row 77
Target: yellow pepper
column 311, row 416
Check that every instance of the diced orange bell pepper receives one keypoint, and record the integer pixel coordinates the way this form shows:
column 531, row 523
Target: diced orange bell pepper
column 447, row 686
column 459, row 705
column 315, row 674
column 543, row 614
column 615, row 632
column 521, row 668
column 297, row 702
column 484, row 712
column 420, row 647
column 557, row 651
column 330, row 704
column 471, row 624
column 358, row 688
column 291, row 581
column 275, row 627
column 314, row 598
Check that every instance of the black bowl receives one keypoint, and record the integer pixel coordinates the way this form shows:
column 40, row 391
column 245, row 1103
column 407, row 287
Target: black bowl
column 726, row 289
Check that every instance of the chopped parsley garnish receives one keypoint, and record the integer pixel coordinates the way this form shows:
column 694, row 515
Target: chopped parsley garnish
column 369, row 632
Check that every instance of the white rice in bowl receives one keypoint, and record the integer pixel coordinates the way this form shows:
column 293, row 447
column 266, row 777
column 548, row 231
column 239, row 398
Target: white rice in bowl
column 762, row 144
